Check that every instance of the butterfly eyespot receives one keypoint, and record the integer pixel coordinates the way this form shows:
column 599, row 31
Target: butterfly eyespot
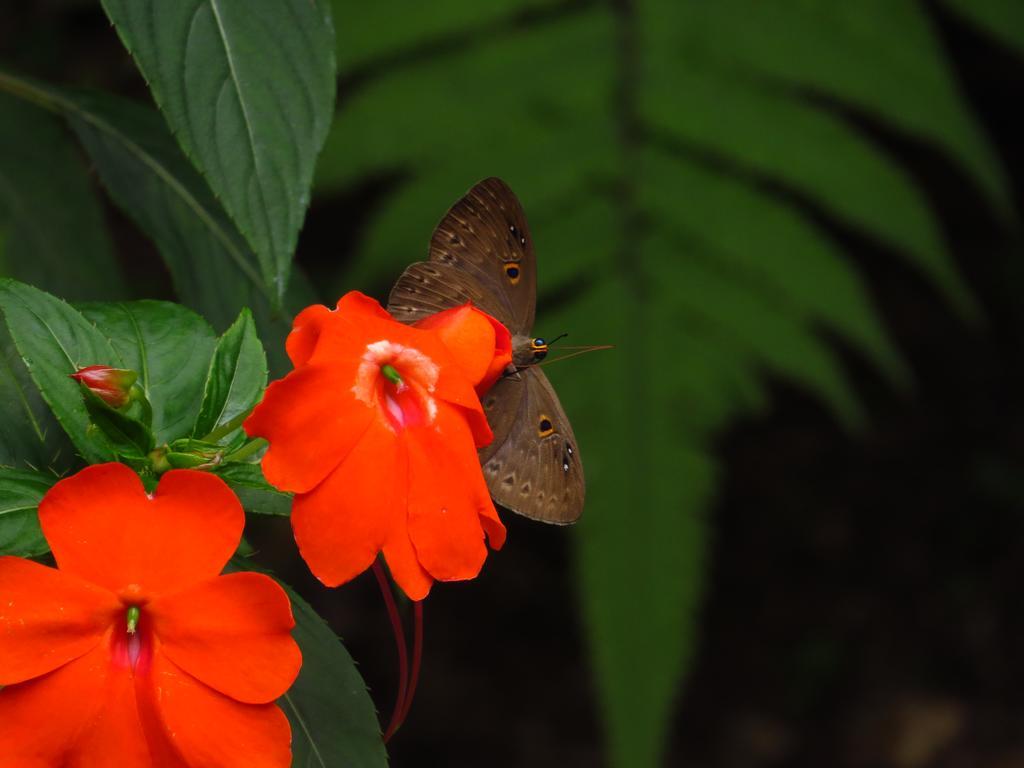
column 565, row 466
column 512, row 273
column 545, row 427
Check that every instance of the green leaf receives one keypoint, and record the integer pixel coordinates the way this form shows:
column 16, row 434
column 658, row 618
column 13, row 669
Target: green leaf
column 248, row 90
column 252, row 489
column 54, row 341
column 1003, row 19
column 691, row 223
column 332, row 716
column 30, row 436
column 62, row 247
column 237, row 376
column 333, row 719
column 20, row 494
column 129, row 437
column 169, row 347
column 213, row 269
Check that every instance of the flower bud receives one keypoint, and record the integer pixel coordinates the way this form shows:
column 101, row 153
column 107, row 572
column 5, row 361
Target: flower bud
column 112, row 385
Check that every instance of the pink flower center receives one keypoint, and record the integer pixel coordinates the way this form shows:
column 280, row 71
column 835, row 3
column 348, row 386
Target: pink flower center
column 132, row 642
column 399, row 381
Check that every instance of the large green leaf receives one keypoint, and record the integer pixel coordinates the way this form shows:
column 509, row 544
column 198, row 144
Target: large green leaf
column 332, row 716
column 20, row 493
column 54, row 341
column 237, row 376
column 333, row 719
column 169, row 347
column 213, row 269
column 56, row 237
column 668, row 153
column 248, row 90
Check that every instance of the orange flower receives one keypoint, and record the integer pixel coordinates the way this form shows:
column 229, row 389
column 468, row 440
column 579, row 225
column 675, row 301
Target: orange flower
column 136, row 653
column 376, row 432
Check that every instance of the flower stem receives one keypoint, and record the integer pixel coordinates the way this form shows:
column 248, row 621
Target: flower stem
column 400, row 646
column 227, row 428
column 417, row 657
column 247, row 450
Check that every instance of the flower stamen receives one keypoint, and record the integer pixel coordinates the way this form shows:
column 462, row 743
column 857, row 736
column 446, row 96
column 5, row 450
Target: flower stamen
column 393, row 376
column 132, row 619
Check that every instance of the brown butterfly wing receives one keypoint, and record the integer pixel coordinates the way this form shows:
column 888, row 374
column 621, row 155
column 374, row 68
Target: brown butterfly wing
column 485, row 236
column 427, row 287
column 535, row 469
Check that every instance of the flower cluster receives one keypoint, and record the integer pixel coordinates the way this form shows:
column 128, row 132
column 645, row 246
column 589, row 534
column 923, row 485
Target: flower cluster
column 135, row 651
column 376, row 432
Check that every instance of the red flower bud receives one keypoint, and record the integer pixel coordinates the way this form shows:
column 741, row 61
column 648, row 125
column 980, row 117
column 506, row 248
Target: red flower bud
column 111, row 385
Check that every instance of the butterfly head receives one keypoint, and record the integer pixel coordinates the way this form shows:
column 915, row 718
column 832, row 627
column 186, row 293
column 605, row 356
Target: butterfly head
column 539, row 347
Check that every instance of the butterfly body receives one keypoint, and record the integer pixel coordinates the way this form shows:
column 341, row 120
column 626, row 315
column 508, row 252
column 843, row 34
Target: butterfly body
column 482, row 252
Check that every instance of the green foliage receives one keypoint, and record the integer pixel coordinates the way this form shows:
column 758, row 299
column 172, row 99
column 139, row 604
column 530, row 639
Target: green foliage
column 169, row 347
column 248, row 89
column 54, row 340
column 237, row 377
column 252, row 489
column 333, row 720
column 332, row 717
column 56, row 232
column 676, row 160
column 30, row 436
column 189, row 379
column 1003, row 19
column 20, row 493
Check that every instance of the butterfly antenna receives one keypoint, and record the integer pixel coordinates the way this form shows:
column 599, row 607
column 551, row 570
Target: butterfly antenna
column 559, row 336
column 577, row 353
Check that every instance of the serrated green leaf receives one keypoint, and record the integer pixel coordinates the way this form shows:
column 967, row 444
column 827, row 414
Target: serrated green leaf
column 30, row 437
column 20, row 494
column 332, row 716
column 252, row 489
column 169, row 347
column 248, row 90
column 237, row 377
column 54, row 341
column 56, row 235
column 333, row 719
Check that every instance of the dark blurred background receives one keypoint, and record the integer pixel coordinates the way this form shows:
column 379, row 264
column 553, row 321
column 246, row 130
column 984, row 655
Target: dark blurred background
column 799, row 224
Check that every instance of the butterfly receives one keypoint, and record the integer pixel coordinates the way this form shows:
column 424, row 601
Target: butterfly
column 481, row 252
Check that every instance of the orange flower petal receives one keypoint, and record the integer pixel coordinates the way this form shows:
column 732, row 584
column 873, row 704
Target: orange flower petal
column 357, row 304
column 341, row 525
column 206, row 727
column 47, row 618
column 231, row 632
column 312, row 420
column 469, row 336
column 492, row 525
column 82, row 715
column 445, row 507
column 306, row 329
column 404, row 565
column 103, row 526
